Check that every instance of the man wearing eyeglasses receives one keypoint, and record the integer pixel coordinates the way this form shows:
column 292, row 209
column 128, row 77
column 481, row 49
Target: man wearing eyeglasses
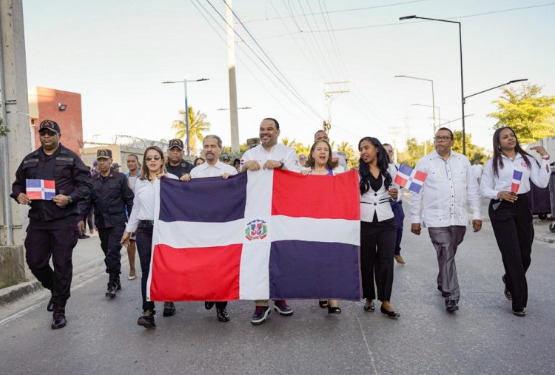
column 441, row 206
column 52, row 230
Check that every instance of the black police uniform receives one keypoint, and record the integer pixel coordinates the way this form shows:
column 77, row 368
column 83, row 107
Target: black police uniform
column 179, row 170
column 52, row 230
column 112, row 199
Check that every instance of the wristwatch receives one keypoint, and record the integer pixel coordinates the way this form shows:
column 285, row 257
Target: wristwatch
column 545, row 157
column 69, row 199
column 281, row 165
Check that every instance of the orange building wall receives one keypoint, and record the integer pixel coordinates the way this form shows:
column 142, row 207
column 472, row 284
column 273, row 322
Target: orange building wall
column 70, row 120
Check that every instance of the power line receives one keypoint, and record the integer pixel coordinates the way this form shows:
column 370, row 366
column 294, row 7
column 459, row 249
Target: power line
column 250, row 58
column 287, row 83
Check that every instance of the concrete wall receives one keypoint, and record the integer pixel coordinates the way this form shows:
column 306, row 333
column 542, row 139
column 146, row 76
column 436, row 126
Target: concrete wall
column 119, row 154
column 13, row 67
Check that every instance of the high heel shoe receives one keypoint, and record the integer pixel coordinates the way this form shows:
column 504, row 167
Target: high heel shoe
column 390, row 314
column 334, row 309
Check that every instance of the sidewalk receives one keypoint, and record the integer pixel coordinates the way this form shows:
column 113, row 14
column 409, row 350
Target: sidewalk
column 88, row 261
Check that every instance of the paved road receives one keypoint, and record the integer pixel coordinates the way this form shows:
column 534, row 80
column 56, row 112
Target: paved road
column 482, row 338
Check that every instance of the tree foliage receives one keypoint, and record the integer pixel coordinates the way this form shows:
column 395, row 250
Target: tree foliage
column 416, row 150
column 529, row 114
column 197, row 125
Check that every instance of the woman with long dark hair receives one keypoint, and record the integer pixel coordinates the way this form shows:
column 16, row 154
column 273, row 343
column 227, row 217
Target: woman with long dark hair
column 141, row 223
column 506, row 181
column 378, row 232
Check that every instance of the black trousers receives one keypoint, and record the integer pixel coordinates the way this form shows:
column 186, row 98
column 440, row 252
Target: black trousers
column 377, row 245
column 514, row 232
column 144, row 245
column 56, row 239
column 110, row 243
column 399, row 215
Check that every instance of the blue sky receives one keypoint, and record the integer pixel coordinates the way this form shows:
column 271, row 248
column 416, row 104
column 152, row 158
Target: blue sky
column 117, row 53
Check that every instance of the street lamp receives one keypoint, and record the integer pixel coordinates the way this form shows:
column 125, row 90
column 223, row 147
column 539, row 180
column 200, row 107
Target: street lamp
column 493, row 88
column 461, row 58
column 184, row 81
column 433, row 96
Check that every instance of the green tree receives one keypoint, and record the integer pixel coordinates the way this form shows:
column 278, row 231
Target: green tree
column 529, row 114
column 226, row 150
column 197, row 125
column 352, row 156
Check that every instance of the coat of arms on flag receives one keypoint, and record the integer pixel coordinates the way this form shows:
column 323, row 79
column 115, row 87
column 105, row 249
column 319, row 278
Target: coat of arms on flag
column 256, row 235
column 517, row 177
column 410, row 178
column 40, row 189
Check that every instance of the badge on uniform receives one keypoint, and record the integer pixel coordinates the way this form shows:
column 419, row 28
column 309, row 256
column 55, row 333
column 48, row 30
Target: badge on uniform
column 40, row 189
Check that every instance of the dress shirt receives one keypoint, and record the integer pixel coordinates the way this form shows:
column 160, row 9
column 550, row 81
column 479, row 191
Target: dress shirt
column 378, row 201
column 444, row 195
column 216, row 170
column 143, row 204
column 491, row 185
column 279, row 153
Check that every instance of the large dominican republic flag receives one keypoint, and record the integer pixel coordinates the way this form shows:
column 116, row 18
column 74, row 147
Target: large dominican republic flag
column 257, row 235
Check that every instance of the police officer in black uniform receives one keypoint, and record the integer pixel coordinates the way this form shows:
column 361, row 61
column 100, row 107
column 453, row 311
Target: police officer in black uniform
column 52, row 230
column 176, row 164
column 111, row 196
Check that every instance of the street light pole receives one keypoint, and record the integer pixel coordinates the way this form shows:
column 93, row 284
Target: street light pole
column 496, row 87
column 461, row 60
column 433, row 95
column 186, row 114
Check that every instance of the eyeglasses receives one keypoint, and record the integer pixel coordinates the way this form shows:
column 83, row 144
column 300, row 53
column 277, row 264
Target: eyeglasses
column 442, row 138
column 45, row 132
column 155, row 157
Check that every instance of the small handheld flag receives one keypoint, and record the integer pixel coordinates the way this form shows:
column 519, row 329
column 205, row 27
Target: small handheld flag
column 40, row 189
column 517, row 177
column 410, row 178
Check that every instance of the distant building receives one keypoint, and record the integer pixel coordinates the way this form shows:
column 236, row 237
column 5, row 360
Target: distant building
column 64, row 107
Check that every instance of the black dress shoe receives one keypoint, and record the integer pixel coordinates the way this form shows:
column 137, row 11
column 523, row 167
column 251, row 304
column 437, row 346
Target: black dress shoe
column 222, row 315
column 323, row 303
column 208, row 305
column 334, row 310
column 390, row 314
column 451, row 306
column 169, row 309
column 50, row 306
column 519, row 312
column 147, row 320
column 370, row 307
column 59, row 318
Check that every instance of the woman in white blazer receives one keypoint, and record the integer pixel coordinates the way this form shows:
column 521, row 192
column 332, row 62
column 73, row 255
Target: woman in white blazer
column 378, row 232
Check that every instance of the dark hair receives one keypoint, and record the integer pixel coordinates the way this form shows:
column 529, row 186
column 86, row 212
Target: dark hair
column 383, row 164
column 274, row 120
column 447, row 129
column 497, row 159
column 236, row 161
column 218, row 139
column 145, row 172
column 136, row 158
column 197, row 159
column 311, row 162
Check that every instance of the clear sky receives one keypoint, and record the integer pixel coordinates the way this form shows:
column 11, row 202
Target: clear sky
column 117, row 53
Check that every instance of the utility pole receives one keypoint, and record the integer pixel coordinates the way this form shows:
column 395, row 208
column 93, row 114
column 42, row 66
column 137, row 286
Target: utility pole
column 331, row 90
column 233, row 112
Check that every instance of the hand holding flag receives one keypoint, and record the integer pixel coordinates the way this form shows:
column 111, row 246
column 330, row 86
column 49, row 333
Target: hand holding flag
column 40, row 189
column 410, row 178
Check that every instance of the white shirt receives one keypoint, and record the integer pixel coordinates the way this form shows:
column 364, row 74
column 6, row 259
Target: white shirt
column 216, row 170
column 279, row 153
column 143, row 203
column 446, row 191
column 378, row 201
column 491, row 185
column 477, row 170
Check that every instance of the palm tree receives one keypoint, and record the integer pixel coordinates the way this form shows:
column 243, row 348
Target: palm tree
column 197, row 125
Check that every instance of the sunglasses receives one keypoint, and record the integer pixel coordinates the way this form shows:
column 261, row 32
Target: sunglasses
column 45, row 132
column 155, row 157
